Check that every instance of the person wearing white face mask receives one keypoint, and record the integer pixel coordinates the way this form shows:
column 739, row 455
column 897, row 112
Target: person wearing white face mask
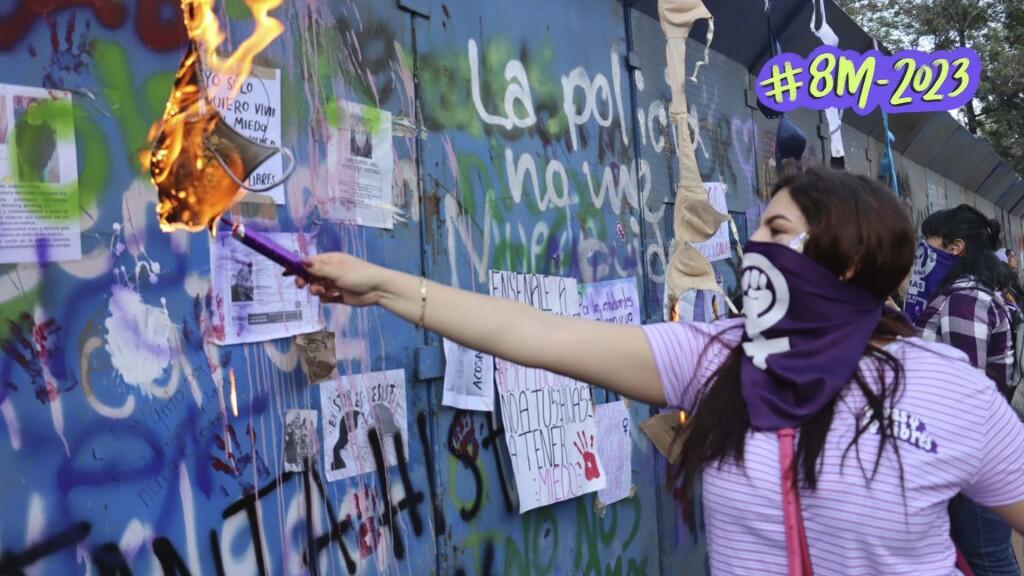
column 828, row 438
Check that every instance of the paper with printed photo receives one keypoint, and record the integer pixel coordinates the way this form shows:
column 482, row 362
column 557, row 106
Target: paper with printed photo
column 252, row 301
column 39, row 211
column 318, row 356
column 360, row 167
column 301, row 443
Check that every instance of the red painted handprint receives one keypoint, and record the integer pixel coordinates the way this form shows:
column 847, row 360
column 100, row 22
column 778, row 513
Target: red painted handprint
column 590, row 468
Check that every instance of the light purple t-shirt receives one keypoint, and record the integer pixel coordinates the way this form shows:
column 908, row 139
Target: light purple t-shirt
column 956, row 433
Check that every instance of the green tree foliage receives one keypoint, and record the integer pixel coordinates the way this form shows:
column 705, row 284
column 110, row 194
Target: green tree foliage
column 993, row 28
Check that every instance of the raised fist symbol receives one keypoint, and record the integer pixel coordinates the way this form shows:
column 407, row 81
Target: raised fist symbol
column 765, row 294
column 757, row 294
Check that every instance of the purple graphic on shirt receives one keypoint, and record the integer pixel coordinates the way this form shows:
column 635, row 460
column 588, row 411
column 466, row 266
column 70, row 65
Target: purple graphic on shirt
column 903, row 426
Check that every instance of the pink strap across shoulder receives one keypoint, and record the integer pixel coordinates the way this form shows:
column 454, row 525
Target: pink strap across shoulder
column 797, row 554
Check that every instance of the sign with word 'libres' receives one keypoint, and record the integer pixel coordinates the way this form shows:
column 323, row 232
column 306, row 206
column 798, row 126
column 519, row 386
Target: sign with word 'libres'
column 253, row 108
column 550, row 426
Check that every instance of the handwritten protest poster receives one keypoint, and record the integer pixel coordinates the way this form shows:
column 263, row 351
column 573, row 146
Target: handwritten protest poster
column 616, row 450
column 468, row 378
column 353, row 405
column 614, row 301
column 255, row 112
column 717, row 247
column 550, row 428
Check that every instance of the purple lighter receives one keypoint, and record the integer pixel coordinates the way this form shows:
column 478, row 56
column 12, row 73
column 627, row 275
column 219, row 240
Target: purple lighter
column 289, row 260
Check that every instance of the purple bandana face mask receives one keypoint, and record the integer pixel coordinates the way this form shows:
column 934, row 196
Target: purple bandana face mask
column 931, row 267
column 805, row 333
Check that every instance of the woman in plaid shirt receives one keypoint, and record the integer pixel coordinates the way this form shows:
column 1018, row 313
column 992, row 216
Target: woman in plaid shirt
column 970, row 314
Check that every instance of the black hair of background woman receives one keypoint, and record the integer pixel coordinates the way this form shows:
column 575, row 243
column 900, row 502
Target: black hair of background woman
column 981, row 237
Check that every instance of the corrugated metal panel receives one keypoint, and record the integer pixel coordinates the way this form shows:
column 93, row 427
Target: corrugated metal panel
column 930, row 139
column 1001, row 178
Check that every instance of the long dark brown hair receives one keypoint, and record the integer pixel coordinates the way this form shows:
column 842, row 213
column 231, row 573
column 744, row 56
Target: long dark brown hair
column 855, row 225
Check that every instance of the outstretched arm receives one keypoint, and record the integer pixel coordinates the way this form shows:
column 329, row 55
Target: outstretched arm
column 614, row 357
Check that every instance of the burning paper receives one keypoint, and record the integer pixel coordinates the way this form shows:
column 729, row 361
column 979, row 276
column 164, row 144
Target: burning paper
column 197, row 161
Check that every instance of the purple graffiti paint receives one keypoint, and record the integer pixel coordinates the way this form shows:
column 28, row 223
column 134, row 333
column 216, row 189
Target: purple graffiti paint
column 43, row 251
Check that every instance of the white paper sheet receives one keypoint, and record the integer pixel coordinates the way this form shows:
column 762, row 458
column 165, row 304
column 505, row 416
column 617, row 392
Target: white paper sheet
column 613, row 301
column 360, row 167
column 549, row 421
column 717, row 247
column 468, row 378
column 301, row 442
column 616, row 450
column 255, row 112
column 39, row 211
column 252, row 301
column 351, row 406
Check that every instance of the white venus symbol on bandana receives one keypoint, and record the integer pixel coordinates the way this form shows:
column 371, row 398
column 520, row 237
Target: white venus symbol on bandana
column 765, row 303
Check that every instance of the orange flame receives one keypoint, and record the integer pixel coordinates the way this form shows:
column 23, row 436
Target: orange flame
column 196, row 161
column 204, row 29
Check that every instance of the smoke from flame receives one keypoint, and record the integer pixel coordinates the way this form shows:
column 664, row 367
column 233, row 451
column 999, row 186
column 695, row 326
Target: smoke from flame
column 195, row 183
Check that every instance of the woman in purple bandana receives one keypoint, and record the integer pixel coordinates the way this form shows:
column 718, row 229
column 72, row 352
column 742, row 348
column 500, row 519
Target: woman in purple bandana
column 827, row 437
column 969, row 313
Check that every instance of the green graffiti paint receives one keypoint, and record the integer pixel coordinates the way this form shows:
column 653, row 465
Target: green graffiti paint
column 537, row 527
column 547, row 91
column 155, row 90
column 373, row 119
column 334, row 114
column 113, row 70
column 454, row 465
column 12, row 309
column 473, row 173
column 595, row 534
column 93, row 163
column 445, row 95
column 238, row 11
